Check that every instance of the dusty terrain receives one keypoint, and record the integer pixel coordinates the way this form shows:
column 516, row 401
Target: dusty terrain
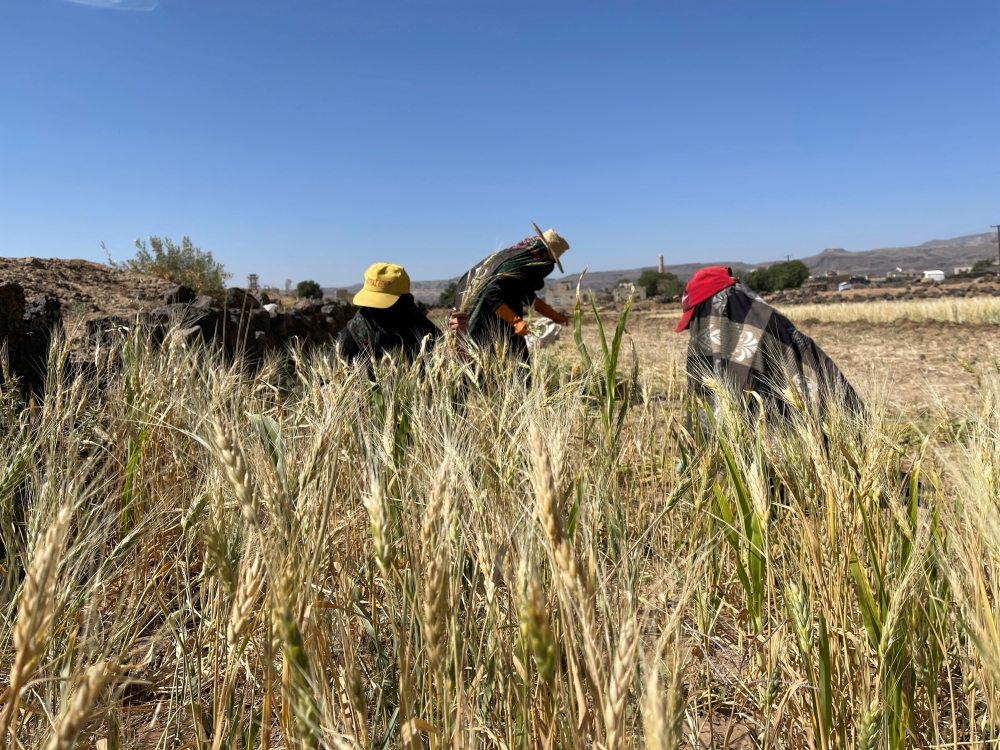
column 86, row 289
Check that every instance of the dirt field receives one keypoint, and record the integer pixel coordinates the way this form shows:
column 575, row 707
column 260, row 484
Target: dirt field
column 85, row 289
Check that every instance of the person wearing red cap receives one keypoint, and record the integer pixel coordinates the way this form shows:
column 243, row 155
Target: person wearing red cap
column 747, row 345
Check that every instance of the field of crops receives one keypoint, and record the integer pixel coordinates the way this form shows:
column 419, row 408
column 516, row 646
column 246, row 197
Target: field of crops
column 954, row 310
column 200, row 555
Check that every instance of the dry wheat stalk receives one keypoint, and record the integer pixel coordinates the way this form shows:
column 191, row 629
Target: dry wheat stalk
column 436, row 553
column 34, row 615
column 236, row 472
column 621, row 678
column 246, row 597
column 75, row 716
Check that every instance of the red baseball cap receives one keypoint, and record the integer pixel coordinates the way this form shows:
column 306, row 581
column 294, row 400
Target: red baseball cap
column 704, row 284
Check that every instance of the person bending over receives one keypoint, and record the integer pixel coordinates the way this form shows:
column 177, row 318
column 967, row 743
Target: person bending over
column 747, row 345
column 497, row 291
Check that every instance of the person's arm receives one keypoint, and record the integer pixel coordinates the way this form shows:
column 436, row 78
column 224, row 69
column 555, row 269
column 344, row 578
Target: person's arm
column 505, row 313
column 494, row 298
column 549, row 313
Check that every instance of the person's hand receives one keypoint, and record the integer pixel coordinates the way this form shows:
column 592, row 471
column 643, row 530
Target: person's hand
column 458, row 322
column 560, row 319
column 520, row 327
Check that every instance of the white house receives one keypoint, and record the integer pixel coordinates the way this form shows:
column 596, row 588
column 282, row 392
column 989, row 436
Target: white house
column 933, row 275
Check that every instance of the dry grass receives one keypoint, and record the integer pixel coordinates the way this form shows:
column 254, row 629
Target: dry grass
column 199, row 556
column 954, row 310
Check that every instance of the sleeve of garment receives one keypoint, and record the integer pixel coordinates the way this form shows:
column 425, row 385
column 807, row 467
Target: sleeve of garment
column 493, row 295
column 347, row 345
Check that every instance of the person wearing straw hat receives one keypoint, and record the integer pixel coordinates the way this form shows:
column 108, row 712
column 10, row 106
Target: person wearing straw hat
column 496, row 291
column 388, row 318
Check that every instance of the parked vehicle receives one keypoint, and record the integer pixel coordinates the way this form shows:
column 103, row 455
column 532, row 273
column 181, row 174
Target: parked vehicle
column 853, row 283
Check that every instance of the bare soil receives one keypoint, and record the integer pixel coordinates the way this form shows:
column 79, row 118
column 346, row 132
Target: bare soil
column 86, row 289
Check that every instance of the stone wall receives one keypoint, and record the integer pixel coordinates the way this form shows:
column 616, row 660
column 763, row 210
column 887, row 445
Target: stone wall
column 241, row 323
column 26, row 329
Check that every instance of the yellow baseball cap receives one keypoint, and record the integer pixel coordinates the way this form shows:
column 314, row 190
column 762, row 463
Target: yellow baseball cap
column 384, row 283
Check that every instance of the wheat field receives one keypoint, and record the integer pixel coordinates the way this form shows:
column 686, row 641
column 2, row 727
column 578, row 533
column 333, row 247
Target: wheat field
column 201, row 554
column 954, row 310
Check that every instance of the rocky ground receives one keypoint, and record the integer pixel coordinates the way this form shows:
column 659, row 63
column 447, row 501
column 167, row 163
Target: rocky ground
column 85, row 289
column 94, row 302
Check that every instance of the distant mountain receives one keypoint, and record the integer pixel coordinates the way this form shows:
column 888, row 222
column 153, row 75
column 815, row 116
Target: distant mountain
column 945, row 255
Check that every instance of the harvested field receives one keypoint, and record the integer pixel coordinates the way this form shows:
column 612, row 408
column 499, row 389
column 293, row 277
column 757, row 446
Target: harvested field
column 196, row 555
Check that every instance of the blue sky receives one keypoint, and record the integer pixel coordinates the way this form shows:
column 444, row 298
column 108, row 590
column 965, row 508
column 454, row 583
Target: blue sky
column 301, row 139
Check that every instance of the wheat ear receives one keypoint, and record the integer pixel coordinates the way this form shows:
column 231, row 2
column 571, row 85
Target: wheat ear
column 236, row 472
column 74, row 717
column 621, row 677
column 34, row 615
column 437, row 555
column 246, row 596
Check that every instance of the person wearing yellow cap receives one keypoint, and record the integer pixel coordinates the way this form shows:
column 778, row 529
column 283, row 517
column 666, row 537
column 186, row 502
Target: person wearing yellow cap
column 388, row 318
column 496, row 291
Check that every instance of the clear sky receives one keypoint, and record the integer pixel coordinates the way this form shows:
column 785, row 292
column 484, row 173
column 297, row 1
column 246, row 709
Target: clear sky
column 307, row 139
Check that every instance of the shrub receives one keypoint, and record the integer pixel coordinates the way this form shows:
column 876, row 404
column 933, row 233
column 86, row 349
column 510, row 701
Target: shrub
column 787, row 275
column 759, row 280
column 308, row 290
column 665, row 284
column 180, row 264
column 986, row 264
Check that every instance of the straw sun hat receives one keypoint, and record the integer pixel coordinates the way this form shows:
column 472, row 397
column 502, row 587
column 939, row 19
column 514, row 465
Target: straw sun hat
column 555, row 244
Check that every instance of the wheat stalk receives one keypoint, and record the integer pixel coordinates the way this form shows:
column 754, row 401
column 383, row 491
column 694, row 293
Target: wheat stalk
column 34, row 615
column 74, row 717
column 241, row 613
column 621, row 677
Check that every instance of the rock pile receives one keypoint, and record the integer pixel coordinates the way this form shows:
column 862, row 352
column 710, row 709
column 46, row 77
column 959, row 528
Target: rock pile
column 26, row 329
column 241, row 323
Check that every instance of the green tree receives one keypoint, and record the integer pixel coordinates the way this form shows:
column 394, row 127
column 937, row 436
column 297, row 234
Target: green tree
column 665, row 284
column 308, row 290
column 787, row 275
column 986, row 264
column 180, row 264
column 759, row 280
column 669, row 285
column 447, row 297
